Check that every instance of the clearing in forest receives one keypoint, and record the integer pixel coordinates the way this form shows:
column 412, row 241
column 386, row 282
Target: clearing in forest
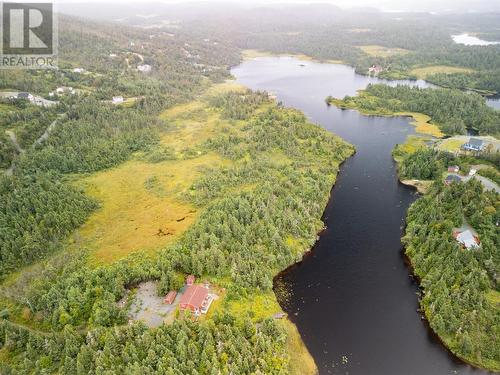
column 143, row 205
column 422, row 124
column 423, row 73
column 382, row 51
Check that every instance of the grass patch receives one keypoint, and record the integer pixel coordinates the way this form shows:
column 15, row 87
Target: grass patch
column 493, row 297
column 451, row 144
column 7, row 108
column 422, row 124
column 141, row 207
column 412, row 144
column 301, row 361
column 250, row 54
column 426, row 71
column 382, row 51
column 257, row 306
column 142, row 203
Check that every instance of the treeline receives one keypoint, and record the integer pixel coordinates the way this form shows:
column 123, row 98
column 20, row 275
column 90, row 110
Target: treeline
column 90, row 137
column 275, row 191
column 85, row 132
column 459, row 285
column 222, row 345
column 237, row 106
column 452, row 111
column 424, row 164
column 481, row 81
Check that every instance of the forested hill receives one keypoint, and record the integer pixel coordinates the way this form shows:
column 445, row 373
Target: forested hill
column 402, row 43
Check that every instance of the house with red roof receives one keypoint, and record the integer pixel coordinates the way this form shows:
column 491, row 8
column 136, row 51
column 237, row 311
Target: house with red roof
column 170, row 297
column 194, row 298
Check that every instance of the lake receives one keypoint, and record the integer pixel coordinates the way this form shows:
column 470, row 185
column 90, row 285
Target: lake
column 352, row 298
column 469, row 40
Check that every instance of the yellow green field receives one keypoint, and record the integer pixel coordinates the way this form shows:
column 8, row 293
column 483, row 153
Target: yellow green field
column 141, row 203
column 424, row 72
column 301, row 361
column 493, row 297
column 451, row 144
column 422, row 124
column 249, row 54
column 381, row 51
column 265, row 305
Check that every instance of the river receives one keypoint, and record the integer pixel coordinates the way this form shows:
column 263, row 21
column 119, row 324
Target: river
column 352, row 298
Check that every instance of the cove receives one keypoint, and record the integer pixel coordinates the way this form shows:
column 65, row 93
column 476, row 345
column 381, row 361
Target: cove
column 352, row 297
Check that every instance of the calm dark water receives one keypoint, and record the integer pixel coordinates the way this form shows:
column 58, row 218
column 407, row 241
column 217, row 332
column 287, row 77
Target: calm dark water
column 352, row 297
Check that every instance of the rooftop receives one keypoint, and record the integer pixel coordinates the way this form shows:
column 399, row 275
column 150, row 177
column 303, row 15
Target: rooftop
column 194, row 296
column 467, row 239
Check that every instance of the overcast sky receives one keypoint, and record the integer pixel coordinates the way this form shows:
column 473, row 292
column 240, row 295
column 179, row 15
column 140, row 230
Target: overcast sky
column 388, row 5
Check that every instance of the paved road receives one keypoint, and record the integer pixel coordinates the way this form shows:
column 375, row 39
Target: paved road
column 487, row 183
column 37, row 101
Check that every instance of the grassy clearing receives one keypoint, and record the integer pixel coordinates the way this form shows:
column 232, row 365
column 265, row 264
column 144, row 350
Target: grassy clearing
column 142, row 205
column 422, row 124
column 426, row 71
column 250, row 54
column 493, row 297
column 301, row 362
column 411, row 145
column 451, row 144
column 381, row 51
column 258, row 306
column 264, row 305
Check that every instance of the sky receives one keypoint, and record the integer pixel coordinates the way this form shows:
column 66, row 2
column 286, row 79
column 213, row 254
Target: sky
column 386, row 5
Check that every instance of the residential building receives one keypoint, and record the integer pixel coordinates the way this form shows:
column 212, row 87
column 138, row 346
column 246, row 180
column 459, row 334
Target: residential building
column 170, row 297
column 194, row 299
column 26, row 96
column 467, row 239
column 474, row 144
column 117, row 99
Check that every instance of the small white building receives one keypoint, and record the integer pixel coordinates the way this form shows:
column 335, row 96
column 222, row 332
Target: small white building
column 472, row 172
column 65, row 90
column 144, row 68
column 117, row 99
column 467, row 239
column 78, row 70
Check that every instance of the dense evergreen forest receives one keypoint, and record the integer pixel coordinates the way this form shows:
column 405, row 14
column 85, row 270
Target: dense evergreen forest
column 259, row 211
column 90, row 134
column 60, row 315
column 460, row 287
column 452, row 111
